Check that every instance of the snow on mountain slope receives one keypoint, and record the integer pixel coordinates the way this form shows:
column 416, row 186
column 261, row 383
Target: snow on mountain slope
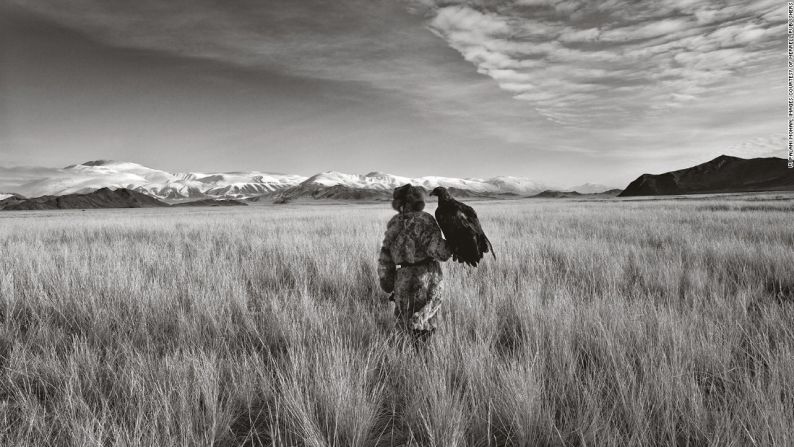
column 94, row 175
column 516, row 185
column 378, row 186
column 381, row 181
column 90, row 176
column 5, row 196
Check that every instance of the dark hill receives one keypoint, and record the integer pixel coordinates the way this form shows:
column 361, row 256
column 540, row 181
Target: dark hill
column 721, row 175
column 553, row 194
column 101, row 198
column 212, row 202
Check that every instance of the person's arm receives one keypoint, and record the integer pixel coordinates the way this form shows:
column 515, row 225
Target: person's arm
column 437, row 246
column 386, row 268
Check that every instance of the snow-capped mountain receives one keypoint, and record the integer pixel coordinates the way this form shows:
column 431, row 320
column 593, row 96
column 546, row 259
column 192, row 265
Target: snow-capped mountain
column 94, row 175
column 377, row 185
column 379, row 180
column 4, row 196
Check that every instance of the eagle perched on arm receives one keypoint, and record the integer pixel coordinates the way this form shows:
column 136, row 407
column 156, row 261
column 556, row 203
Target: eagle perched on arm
column 461, row 228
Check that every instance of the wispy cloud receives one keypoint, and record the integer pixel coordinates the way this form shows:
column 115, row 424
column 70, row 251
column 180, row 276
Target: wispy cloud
column 576, row 62
column 13, row 176
column 382, row 44
column 773, row 146
column 587, row 63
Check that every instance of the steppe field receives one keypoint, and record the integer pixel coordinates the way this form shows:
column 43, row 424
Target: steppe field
column 601, row 323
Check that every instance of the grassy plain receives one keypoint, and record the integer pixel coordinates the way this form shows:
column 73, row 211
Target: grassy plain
column 662, row 322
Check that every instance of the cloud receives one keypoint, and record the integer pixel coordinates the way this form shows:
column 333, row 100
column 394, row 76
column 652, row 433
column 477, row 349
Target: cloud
column 772, row 146
column 378, row 44
column 575, row 62
column 467, row 20
column 12, row 177
column 666, row 54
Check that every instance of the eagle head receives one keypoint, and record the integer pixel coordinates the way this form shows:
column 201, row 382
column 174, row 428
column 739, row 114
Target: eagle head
column 441, row 193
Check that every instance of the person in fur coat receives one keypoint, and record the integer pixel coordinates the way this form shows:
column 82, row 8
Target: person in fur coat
column 409, row 263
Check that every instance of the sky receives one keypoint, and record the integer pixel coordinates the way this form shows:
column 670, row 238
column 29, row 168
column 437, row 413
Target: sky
column 559, row 91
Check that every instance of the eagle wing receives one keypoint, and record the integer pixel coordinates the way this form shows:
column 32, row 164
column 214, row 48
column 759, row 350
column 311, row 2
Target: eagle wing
column 483, row 242
column 462, row 229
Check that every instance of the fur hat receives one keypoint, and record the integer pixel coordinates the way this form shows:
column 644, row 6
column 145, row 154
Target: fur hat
column 408, row 198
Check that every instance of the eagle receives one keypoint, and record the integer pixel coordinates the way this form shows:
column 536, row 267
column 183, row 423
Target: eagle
column 461, row 228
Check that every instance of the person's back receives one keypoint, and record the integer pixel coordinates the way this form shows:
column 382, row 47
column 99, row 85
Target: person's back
column 409, row 262
column 414, row 237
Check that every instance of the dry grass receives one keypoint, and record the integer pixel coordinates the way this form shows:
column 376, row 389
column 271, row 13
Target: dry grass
column 634, row 323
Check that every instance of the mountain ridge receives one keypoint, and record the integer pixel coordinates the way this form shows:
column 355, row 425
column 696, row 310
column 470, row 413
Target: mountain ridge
column 555, row 194
column 97, row 174
column 722, row 174
column 101, row 198
column 255, row 185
